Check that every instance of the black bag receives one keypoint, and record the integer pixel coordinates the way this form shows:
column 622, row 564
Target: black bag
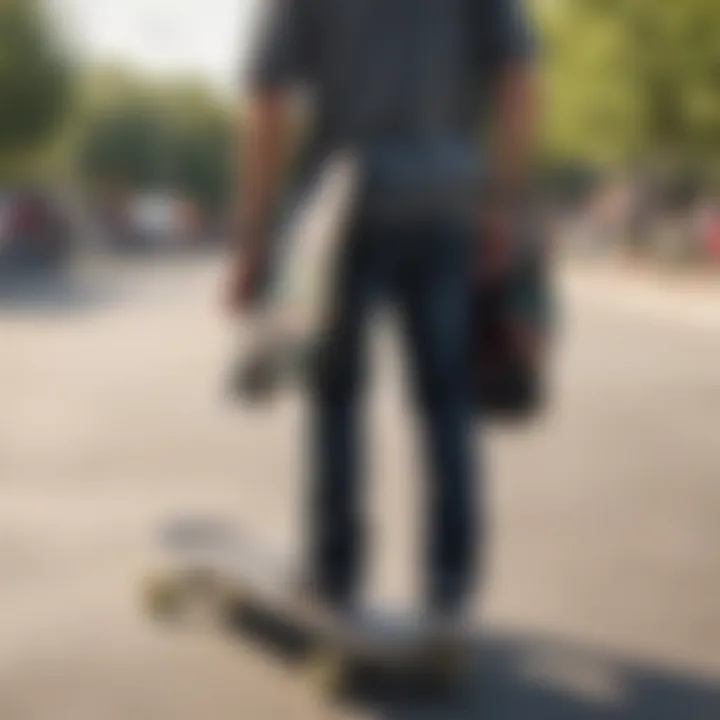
column 512, row 328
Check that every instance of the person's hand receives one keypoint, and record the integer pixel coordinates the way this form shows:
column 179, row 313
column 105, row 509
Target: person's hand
column 495, row 246
column 244, row 282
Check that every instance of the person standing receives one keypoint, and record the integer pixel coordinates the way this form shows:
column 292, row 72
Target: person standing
column 437, row 97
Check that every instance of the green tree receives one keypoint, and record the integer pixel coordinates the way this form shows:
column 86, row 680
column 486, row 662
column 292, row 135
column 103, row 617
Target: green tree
column 633, row 82
column 676, row 72
column 169, row 135
column 200, row 140
column 35, row 77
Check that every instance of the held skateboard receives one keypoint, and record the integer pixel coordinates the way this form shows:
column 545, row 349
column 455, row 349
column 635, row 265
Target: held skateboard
column 279, row 338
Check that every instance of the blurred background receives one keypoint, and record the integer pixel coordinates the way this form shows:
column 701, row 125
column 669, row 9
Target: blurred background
column 118, row 130
column 120, row 120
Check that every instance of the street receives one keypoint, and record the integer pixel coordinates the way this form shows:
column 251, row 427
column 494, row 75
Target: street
column 603, row 595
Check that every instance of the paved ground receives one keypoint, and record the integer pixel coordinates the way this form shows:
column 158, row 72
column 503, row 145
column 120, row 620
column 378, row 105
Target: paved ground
column 605, row 586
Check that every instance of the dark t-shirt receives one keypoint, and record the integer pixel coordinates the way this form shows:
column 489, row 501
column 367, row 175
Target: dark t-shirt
column 403, row 79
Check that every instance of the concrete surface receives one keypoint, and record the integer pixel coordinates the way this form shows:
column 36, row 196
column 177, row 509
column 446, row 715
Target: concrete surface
column 604, row 597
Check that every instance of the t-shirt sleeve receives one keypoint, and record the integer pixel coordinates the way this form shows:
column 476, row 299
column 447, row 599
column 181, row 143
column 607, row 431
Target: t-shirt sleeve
column 507, row 32
column 282, row 48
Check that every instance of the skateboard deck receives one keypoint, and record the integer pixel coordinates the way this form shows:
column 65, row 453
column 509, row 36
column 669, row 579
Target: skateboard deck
column 214, row 568
column 278, row 339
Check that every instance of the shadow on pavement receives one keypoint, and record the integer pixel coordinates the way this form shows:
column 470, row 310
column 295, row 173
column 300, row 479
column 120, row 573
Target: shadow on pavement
column 521, row 677
column 51, row 294
column 526, row 678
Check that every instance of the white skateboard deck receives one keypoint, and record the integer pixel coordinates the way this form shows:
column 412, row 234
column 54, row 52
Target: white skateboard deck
column 244, row 572
column 277, row 339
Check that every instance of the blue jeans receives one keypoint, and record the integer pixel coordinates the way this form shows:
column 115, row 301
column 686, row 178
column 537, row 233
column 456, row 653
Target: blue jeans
column 425, row 271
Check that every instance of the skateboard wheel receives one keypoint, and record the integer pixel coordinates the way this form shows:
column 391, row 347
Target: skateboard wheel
column 329, row 671
column 447, row 669
column 229, row 606
column 255, row 381
column 162, row 595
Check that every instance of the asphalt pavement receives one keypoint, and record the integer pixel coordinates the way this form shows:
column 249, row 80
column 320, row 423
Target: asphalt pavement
column 603, row 593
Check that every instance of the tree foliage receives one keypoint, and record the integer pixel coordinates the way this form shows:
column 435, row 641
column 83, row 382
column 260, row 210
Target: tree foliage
column 170, row 135
column 633, row 81
column 35, row 76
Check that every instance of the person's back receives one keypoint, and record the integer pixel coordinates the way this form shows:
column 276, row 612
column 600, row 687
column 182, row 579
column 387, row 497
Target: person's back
column 407, row 86
column 405, row 79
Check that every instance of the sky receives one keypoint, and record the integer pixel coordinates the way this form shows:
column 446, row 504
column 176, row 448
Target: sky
column 202, row 36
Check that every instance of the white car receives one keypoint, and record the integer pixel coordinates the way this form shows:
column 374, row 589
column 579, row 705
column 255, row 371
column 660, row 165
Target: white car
column 157, row 219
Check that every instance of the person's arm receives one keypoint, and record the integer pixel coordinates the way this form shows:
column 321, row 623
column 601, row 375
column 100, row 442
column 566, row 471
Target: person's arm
column 281, row 61
column 513, row 121
column 513, row 125
column 258, row 181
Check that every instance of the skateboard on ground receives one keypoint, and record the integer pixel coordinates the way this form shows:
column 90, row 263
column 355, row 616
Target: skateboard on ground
column 278, row 339
column 210, row 570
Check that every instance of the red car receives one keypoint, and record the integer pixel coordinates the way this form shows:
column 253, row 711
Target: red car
column 35, row 231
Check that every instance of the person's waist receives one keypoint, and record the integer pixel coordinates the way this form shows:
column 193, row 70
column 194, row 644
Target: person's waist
column 413, row 179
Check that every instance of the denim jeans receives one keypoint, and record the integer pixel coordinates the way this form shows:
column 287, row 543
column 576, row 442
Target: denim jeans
column 424, row 270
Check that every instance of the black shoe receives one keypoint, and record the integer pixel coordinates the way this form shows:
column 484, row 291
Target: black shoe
column 447, row 598
column 333, row 598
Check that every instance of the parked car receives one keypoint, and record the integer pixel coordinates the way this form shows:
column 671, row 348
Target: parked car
column 149, row 221
column 154, row 219
column 35, row 231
